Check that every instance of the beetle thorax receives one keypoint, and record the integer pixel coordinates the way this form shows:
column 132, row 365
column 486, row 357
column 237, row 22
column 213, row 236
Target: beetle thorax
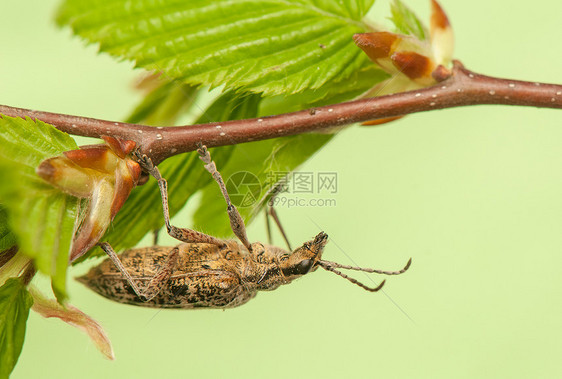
column 261, row 267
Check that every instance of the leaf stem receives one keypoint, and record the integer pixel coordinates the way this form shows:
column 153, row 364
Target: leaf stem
column 461, row 88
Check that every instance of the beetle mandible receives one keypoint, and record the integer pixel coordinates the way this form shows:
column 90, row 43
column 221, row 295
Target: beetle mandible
column 205, row 271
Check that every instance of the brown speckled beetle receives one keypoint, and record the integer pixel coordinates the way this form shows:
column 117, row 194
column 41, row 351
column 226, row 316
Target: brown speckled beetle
column 207, row 272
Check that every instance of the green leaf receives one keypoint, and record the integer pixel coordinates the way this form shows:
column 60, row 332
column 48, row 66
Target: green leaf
column 185, row 174
column 29, row 142
column 269, row 46
column 334, row 92
column 406, row 21
column 15, row 302
column 7, row 238
column 231, row 106
column 41, row 217
column 164, row 104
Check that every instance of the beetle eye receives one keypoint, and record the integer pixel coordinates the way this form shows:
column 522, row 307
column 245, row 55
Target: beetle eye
column 304, row 267
column 301, row 268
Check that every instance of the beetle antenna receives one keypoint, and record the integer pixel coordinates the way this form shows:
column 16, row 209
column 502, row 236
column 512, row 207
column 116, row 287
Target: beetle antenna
column 327, row 266
column 371, row 270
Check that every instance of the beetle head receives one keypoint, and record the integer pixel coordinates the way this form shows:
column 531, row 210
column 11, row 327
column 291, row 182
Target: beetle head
column 305, row 258
column 308, row 258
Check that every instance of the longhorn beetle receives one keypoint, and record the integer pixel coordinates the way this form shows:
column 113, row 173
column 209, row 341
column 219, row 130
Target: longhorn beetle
column 204, row 271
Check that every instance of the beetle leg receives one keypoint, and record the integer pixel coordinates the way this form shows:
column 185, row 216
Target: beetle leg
column 268, row 228
column 155, row 235
column 156, row 283
column 236, row 221
column 160, row 279
column 181, row 234
column 271, row 212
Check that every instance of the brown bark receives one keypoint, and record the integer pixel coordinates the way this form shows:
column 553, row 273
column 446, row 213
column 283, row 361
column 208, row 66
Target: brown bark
column 459, row 88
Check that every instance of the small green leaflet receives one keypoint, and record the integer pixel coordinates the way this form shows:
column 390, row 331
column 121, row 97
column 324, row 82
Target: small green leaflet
column 406, row 21
column 41, row 217
column 15, row 302
column 263, row 46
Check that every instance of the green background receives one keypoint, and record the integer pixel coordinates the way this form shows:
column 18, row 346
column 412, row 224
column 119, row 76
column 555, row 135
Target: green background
column 472, row 194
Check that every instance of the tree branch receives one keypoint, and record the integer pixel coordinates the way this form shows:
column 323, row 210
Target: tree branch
column 462, row 87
